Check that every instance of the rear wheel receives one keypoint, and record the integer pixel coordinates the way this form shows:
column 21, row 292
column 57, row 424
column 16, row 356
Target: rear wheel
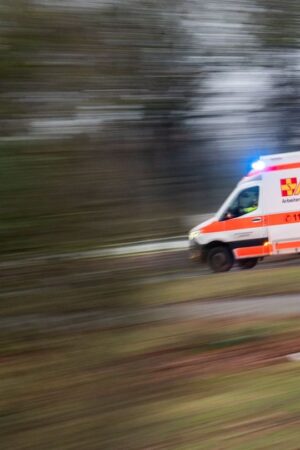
column 220, row 259
column 248, row 263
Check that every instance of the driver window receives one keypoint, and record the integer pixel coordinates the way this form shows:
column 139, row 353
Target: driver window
column 245, row 203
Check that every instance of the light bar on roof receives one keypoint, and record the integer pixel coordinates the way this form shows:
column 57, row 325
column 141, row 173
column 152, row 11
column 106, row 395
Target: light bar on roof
column 258, row 165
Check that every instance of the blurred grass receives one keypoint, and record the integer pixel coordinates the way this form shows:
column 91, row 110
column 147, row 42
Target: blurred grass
column 108, row 390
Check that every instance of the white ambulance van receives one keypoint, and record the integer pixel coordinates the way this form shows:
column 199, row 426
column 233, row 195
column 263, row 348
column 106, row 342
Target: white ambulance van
column 260, row 218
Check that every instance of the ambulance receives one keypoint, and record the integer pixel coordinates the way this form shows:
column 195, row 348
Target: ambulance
column 260, row 218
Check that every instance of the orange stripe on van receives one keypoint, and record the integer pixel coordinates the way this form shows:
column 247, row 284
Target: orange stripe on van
column 252, row 252
column 288, row 245
column 231, row 224
column 265, row 250
column 242, row 223
column 287, row 218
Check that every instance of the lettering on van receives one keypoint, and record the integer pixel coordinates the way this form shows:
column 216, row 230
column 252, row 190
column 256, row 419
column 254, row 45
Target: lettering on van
column 290, row 189
column 292, row 218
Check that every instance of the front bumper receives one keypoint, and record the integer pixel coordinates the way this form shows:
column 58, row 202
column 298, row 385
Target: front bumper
column 195, row 252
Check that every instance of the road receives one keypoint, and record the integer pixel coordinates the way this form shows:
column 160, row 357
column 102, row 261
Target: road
column 148, row 268
column 195, row 270
column 214, row 309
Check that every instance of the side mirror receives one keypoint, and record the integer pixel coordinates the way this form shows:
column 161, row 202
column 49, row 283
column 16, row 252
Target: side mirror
column 227, row 216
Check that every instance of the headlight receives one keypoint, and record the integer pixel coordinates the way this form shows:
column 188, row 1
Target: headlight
column 194, row 235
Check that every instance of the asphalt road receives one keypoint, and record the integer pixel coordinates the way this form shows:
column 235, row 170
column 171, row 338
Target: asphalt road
column 166, row 266
column 150, row 268
column 215, row 309
column 194, row 270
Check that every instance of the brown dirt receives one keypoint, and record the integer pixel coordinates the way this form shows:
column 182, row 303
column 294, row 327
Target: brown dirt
column 170, row 364
column 270, row 351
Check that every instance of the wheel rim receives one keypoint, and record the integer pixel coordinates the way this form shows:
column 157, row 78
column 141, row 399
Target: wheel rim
column 219, row 261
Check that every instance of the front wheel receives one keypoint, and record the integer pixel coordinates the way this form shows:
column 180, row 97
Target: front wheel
column 220, row 259
column 249, row 263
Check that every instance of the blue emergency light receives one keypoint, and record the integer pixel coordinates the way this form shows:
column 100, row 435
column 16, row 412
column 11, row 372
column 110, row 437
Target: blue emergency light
column 258, row 165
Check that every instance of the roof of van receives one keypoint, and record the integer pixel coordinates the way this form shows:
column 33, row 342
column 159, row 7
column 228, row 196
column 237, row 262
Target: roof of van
column 281, row 158
column 273, row 162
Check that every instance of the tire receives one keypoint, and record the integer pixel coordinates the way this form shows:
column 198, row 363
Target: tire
column 220, row 259
column 249, row 263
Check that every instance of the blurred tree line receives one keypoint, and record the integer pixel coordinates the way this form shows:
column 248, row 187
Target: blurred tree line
column 119, row 118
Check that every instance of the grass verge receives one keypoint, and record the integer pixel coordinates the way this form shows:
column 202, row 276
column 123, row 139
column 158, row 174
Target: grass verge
column 179, row 386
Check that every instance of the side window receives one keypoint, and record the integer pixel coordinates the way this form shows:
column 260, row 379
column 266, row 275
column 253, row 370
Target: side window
column 245, row 203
